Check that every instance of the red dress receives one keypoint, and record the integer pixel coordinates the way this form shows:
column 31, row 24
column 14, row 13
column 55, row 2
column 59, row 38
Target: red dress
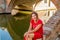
column 39, row 33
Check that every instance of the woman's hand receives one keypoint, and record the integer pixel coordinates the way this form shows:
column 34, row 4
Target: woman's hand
column 30, row 31
column 25, row 33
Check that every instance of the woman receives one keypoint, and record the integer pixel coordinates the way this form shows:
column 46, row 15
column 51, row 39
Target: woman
column 35, row 30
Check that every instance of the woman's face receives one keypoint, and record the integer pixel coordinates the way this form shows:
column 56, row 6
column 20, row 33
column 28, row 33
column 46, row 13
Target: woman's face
column 34, row 17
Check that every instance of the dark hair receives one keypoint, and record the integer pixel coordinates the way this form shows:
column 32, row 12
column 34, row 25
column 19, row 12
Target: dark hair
column 35, row 14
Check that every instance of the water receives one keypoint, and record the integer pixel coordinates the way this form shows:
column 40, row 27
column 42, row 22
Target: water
column 4, row 35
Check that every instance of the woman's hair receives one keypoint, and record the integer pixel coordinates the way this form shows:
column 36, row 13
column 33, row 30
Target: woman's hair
column 35, row 14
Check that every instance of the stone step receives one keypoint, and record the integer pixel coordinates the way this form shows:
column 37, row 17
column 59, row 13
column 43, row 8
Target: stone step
column 53, row 23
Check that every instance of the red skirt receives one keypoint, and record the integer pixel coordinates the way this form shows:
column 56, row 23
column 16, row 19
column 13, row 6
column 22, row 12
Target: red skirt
column 36, row 36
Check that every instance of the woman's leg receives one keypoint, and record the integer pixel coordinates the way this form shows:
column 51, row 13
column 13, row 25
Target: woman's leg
column 26, row 37
column 30, row 36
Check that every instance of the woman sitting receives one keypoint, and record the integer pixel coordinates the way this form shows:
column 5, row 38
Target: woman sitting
column 35, row 30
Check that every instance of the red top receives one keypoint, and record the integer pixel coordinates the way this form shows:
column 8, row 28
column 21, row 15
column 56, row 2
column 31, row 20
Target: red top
column 34, row 25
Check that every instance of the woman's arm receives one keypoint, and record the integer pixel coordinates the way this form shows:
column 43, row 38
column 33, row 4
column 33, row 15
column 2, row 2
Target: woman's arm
column 30, row 28
column 34, row 30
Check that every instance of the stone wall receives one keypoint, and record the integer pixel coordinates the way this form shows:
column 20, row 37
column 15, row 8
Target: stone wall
column 57, row 3
column 2, row 6
column 54, row 24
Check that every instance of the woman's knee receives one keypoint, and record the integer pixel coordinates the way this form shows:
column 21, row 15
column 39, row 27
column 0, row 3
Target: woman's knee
column 26, row 36
column 31, row 35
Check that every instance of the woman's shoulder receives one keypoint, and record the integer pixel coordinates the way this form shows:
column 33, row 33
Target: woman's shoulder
column 40, row 21
column 31, row 20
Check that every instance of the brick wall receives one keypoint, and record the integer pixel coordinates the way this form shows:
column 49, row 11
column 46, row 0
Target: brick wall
column 57, row 3
column 2, row 6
